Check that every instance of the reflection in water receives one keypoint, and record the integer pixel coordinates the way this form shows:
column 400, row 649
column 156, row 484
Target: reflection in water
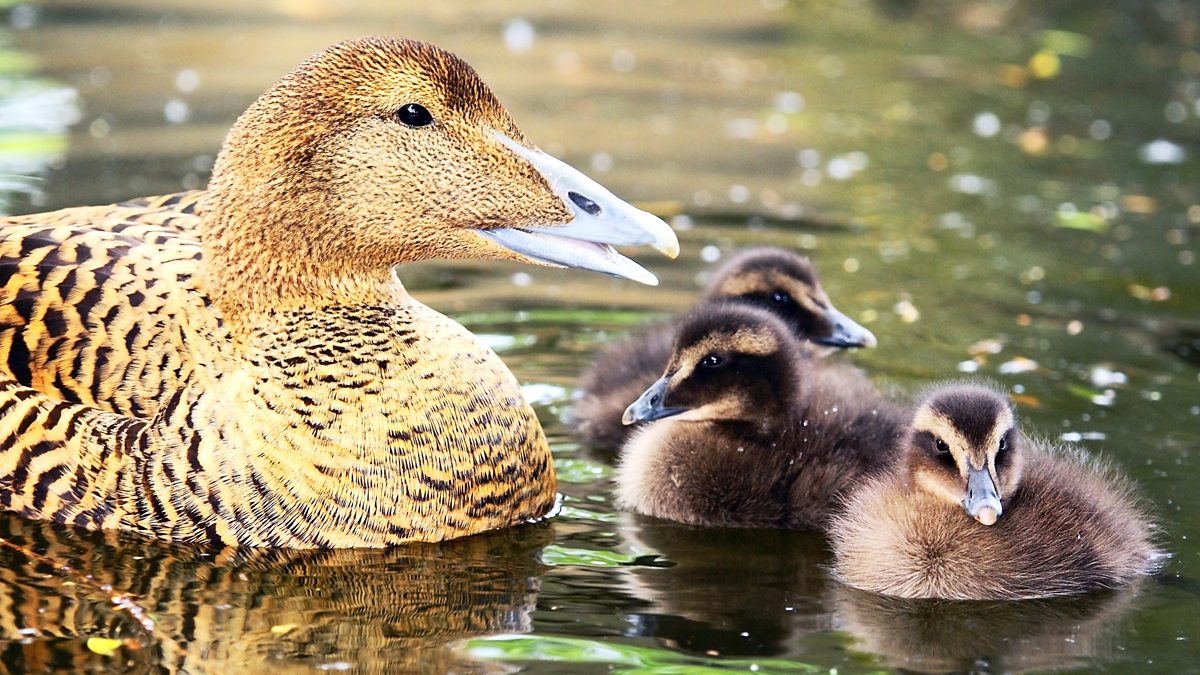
column 730, row 591
column 370, row 610
column 957, row 636
column 760, row 593
column 35, row 114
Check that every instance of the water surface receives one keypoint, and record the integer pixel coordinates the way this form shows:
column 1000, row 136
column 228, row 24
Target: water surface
column 991, row 187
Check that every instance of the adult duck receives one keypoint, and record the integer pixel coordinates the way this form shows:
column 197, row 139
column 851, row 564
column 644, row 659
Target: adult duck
column 249, row 370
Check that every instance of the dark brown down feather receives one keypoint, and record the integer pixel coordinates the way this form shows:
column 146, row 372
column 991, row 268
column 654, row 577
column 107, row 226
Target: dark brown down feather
column 770, row 438
column 774, row 279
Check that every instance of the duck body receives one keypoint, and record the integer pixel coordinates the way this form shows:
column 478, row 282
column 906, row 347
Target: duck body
column 1064, row 522
column 241, row 366
column 746, row 429
column 773, row 279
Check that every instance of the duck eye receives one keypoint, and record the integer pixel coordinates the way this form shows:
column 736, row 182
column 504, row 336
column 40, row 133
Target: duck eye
column 781, row 297
column 711, row 361
column 941, row 446
column 414, row 115
column 1003, row 445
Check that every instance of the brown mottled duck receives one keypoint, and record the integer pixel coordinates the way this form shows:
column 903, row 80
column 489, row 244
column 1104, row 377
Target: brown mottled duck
column 775, row 279
column 242, row 366
column 974, row 510
column 747, row 430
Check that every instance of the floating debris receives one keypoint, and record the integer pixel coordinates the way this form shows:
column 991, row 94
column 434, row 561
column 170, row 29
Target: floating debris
column 1077, row 436
column 1162, row 151
column 103, row 646
column 907, row 312
column 1103, row 376
column 1018, row 365
column 988, row 346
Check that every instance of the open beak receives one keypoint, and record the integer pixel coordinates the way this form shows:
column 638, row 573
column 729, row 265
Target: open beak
column 982, row 502
column 649, row 406
column 601, row 221
column 846, row 332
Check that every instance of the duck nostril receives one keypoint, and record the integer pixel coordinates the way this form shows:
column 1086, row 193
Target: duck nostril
column 655, row 399
column 584, row 203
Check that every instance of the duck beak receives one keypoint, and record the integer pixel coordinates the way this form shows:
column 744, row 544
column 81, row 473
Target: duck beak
column 846, row 332
column 982, row 502
column 649, row 406
column 601, row 221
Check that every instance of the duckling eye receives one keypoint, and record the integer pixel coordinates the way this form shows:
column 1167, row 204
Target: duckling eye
column 941, row 446
column 414, row 115
column 1003, row 445
column 781, row 297
column 711, row 361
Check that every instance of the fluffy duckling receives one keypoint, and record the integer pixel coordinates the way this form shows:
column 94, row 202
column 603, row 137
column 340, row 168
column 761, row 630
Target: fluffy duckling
column 748, row 432
column 242, row 366
column 976, row 511
column 774, row 279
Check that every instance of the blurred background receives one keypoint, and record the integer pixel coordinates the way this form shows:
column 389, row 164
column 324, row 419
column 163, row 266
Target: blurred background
column 1003, row 188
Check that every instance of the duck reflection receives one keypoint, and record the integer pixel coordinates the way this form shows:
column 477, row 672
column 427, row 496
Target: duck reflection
column 746, row 592
column 963, row 636
column 390, row 610
column 729, row 591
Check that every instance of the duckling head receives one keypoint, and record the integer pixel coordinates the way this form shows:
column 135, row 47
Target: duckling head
column 963, row 446
column 729, row 363
column 380, row 151
column 787, row 285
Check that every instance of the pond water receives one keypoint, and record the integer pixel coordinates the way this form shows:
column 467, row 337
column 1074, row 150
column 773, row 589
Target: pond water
column 990, row 186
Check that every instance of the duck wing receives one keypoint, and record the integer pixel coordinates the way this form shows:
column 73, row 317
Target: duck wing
column 96, row 304
column 186, row 203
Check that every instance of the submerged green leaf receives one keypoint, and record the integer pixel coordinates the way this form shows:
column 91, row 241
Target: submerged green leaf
column 574, row 470
column 576, row 513
column 562, row 555
column 1081, row 220
column 627, row 658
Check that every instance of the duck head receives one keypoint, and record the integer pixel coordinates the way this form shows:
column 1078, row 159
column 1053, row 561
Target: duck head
column 729, row 363
column 787, row 285
column 963, row 446
column 381, row 151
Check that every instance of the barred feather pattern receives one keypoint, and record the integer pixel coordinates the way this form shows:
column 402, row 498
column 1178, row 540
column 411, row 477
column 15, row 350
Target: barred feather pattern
column 385, row 610
column 124, row 402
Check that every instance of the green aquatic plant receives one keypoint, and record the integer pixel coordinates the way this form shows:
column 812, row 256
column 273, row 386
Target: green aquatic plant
column 622, row 657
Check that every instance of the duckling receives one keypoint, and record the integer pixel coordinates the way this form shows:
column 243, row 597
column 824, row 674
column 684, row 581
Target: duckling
column 248, row 370
column 748, row 432
column 974, row 510
column 771, row 278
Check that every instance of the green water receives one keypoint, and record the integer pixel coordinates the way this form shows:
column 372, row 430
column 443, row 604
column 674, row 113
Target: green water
column 994, row 186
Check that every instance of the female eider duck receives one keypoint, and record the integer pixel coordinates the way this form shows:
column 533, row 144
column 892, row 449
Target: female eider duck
column 976, row 511
column 746, row 432
column 774, row 279
column 248, row 370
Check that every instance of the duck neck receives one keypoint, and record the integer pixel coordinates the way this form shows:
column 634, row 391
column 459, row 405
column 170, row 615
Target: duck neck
column 274, row 256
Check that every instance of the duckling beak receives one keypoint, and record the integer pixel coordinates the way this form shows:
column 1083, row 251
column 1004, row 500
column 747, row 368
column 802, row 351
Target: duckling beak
column 982, row 502
column 846, row 332
column 649, row 406
column 601, row 221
